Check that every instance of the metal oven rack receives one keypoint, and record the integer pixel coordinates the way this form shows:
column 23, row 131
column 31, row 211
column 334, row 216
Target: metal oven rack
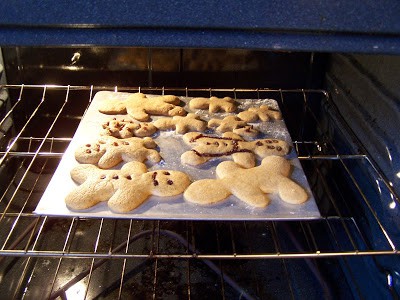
column 354, row 223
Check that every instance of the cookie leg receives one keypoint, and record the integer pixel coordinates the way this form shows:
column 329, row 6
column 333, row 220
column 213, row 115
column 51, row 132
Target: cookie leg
column 252, row 196
column 109, row 160
column 125, row 200
column 89, row 194
column 291, row 192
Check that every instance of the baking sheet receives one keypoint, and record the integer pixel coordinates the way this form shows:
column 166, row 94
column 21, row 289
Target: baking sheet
column 171, row 146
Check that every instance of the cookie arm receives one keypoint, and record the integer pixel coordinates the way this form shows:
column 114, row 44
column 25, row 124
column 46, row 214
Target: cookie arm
column 244, row 159
column 192, row 159
column 248, row 116
column 206, row 191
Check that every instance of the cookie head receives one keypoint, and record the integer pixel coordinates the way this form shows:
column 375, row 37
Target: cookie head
column 89, row 153
column 267, row 147
column 167, row 183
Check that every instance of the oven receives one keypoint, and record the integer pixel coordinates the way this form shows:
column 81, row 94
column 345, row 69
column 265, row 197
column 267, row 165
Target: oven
column 336, row 83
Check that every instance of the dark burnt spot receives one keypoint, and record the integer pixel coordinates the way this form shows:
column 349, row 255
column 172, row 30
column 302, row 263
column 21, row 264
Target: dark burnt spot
column 115, row 177
column 271, row 147
column 103, row 176
column 88, row 151
column 115, row 144
column 88, row 145
column 166, row 173
column 279, row 148
column 155, row 182
column 170, row 182
column 259, row 143
column 275, row 141
column 129, row 177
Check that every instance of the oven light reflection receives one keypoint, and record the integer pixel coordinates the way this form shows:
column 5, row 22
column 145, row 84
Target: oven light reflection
column 76, row 292
column 392, row 204
column 388, row 152
column 398, row 174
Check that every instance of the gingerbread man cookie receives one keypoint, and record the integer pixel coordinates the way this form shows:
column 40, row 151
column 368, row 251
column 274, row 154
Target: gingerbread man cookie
column 243, row 152
column 126, row 129
column 191, row 122
column 124, row 189
column 213, row 104
column 139, row 107
column 233, row 124
column 251, row 186
column 109, row 151
column 263, row 113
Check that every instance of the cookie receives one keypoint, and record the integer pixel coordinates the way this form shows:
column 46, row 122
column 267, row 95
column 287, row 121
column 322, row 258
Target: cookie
column 139, row 107
column 191, row 122
column 213, row 104
column 126, row 129
column 109, row 151
column 233, row 124
column 251, row 186
column 263, row 113
column 124, row 189
column 244, row 153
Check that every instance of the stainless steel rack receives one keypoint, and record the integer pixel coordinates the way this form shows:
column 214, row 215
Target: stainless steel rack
column 44, row 119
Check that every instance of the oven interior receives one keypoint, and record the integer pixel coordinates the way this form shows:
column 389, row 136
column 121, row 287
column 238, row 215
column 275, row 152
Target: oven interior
column 342, row 111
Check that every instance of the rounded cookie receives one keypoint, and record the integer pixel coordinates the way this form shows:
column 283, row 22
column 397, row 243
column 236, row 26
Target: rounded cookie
column 139, row 106
column 233, row 124
column 244, row 153
column 126, row 129
column 213, row 104
column 124, row 189
column 109, row 151
column 190, row 122
column 263, row 113
column 251, row 186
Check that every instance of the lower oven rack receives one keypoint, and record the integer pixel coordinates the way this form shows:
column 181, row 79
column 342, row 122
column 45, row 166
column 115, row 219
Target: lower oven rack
column 39, row 123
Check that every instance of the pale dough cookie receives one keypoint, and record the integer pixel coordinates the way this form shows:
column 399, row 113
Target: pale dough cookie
column 139, row 107
column 243, row 152
column 191, row 122
column 124, row 189
column 126, row 129
column 251, row 186
column 109, row 151
column 263, row 113
column 213, row 104
column 233, row 124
